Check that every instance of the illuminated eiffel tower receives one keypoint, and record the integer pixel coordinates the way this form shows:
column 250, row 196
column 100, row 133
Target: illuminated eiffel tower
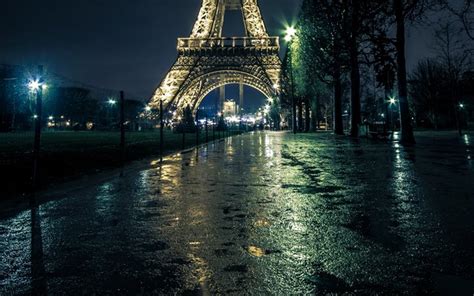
column 207, row 60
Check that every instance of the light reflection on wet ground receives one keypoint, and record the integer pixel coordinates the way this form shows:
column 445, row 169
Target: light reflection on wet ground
column 268, row 213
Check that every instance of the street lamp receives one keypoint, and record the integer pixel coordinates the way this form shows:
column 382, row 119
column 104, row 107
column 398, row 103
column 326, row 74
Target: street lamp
column 34, row 85
column 392, row 101
column 111, row 102
column 290, row 33
column 459, row 117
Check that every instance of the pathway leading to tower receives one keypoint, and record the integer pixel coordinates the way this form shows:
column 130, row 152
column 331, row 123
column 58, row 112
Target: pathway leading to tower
column 263, row 213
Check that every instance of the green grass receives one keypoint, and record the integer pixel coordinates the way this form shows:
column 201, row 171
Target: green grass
column 69, row 154
column 79, row 141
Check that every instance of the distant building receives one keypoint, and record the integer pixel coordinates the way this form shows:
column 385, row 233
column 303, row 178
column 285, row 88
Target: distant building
column 230, row 108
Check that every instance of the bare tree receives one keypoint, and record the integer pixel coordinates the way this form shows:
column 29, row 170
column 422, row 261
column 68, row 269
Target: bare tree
column 455, row 56
column 464, row 14
column 404, row 10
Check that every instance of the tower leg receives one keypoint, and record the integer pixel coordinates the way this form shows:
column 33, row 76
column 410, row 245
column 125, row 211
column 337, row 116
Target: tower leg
column 221, row 98
column 241, row 98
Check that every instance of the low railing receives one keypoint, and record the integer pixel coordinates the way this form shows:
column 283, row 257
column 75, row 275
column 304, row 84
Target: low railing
column 237, row 42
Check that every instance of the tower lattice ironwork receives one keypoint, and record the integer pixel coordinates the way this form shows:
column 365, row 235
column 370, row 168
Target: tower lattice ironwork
column 207, row 60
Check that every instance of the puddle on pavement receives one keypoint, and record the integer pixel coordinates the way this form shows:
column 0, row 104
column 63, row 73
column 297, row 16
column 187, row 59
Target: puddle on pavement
column 262, row 223
column 256, row 251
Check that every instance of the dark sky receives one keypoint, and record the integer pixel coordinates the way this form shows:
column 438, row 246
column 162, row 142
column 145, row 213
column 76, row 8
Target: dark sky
column 118, row 44
column 122, row 44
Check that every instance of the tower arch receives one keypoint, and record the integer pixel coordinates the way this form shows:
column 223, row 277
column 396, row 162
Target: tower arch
column 207, row 60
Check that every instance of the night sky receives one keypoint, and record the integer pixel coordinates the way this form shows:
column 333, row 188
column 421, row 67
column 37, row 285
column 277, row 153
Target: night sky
column 123, row 44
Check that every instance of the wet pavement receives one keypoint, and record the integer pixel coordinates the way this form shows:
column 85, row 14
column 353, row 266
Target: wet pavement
column 261, row 214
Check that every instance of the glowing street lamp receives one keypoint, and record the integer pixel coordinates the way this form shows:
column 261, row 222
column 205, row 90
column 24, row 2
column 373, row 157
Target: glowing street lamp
column 461, row 105
column 34, row 85
column 392, row 102
column 112, row 102
column 147, row 108
column 290, row 34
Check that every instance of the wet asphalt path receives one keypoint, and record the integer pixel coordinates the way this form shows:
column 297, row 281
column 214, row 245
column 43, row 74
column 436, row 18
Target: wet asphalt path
column 261, row 214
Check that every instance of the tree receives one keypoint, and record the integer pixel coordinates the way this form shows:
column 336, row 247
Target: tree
column 454, row 55
column 323, row 55
column 74, row 103
column 403, row 10
column 187, row 124
column 355, row 69
column 428, row 89
column 363, row 15
column 464, row 14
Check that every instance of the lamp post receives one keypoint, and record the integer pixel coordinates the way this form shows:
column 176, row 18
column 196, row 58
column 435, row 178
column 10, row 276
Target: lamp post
column 37, row 86
column 392, row 101
column 461, row 107
column 289, row 37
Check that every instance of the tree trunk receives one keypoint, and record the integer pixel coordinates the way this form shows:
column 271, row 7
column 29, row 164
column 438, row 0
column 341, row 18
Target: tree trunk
column 407, row 136
column 355, row 71
column 338, row 126
column 307, row 119
column 314, row 115
column 300, row 115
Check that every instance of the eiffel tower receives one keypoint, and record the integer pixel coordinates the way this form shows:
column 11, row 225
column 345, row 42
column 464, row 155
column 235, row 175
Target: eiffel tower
column 207, row 60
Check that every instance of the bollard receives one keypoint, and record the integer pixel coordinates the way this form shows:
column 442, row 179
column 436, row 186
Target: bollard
column 161, row 131
column 207, row 132
column 197, row 128
column 213, row 132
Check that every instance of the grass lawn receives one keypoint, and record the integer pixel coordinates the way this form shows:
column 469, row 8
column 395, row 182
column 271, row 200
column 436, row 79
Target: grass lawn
column 70, row 154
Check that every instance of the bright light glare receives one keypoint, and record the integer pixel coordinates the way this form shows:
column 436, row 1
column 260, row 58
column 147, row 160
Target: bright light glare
column 290, row 33
column 112, row 101
column 34, row 85
column 461, row 105
column 148, row 108
column 393, row 101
